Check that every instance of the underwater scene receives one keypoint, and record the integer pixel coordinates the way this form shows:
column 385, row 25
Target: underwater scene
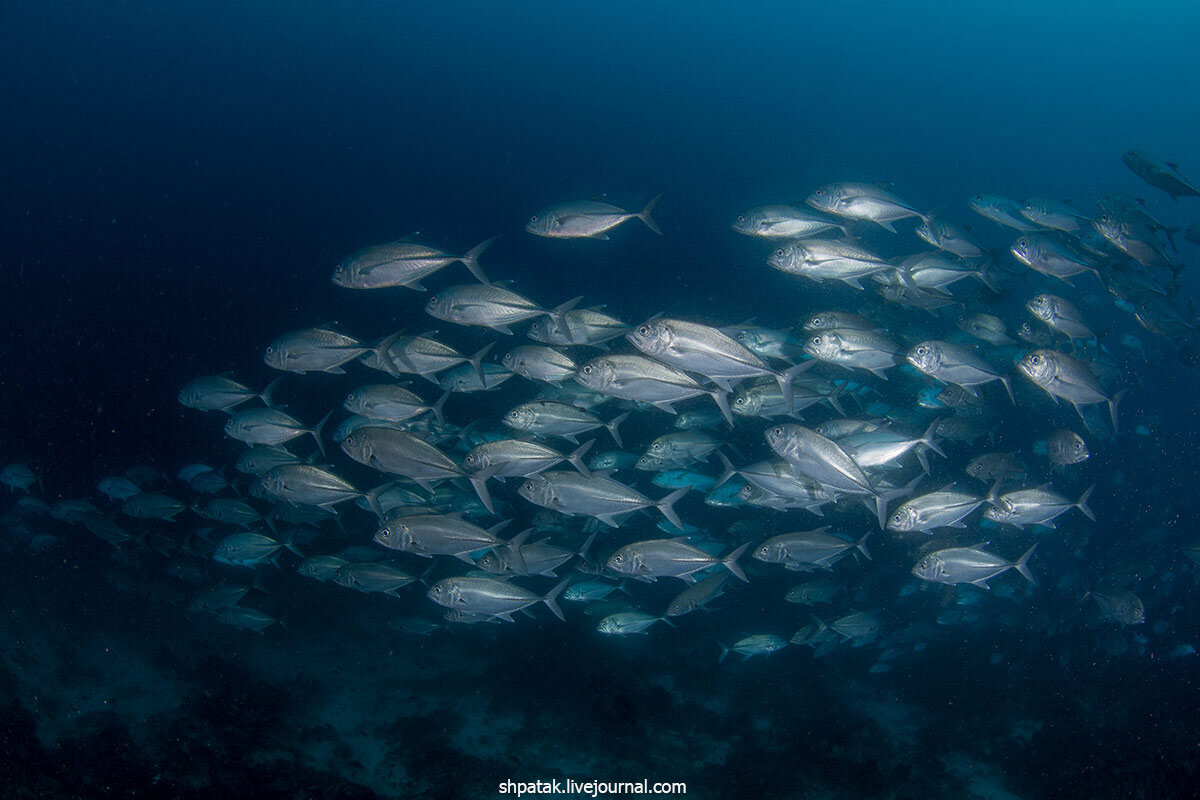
column 707, row 400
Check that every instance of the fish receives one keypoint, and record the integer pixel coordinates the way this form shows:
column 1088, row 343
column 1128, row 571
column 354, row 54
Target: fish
column 219, row 393
column 1054, row 255
column 801, row 549
column 487, row 306
column 577, row 326
column 1053, row 214
column 304, row 484
column 854, row 349
column 944, row 508
column 1120, row 605
column 1066, row 377
column 828, row 259
column 513, row 458
column 152, row 505
column 587, row 219
column 820, row 590
column 971, row 565
column 1160, row 174
column 863, row 201
column 552, row 418
column 371, row 577
column 698, row 595
column 1001, row 210
column 400, row 453
column 390, row 402
column 809, row 453
column 428, row 535
column 403, row 263
column 1065, row 447
column 1060, row 315
column 949, row 237
column 624, row 623
column 250, row 549
column 992, row 467
column 1038, row 506
column 271, row 426
column 707, row 351
column 754, row 645
column 574, row 494
column 540, row 363
column 953, row 363
column 640, row 378
column 658, row 558
column 783, row 222
column 492, row 597
column 247, row 619
column 320, row 350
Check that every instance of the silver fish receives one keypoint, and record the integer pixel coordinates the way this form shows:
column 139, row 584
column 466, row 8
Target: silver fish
column 587, row 219
column 403, row 263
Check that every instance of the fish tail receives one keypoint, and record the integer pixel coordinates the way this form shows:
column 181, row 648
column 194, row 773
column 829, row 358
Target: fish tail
column 1020, row 564
column 373, row 498
column 928, row 440
column 1112, row 407
column 552, row 596
column 267, row 394
column 729, row 470
column 645, row 217
column 1008, row 386
column 479, row 482
column 316, row 432
column 613, row 426
column 576, row 458
column 437, row 407
column 730, row 562
column 724, row 652
column 471, row 260
column 721, row 398
column 834, row 397
column 1083, row 506
column 862, row 545
column 476, row 361
column 667, row 506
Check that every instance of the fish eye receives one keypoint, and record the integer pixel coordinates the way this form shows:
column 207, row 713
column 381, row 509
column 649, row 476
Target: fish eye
column 740, row 401
column 816, row 320
column 433, row 299
column 777, row 430
column 922, row 350
column 644, row 330
column 1023, row 242
column 385, row 532
column 764, row 549
column 1036, row 359
column 270, row 350
column 350, row 440
column 587, row 370
column 741, row 218
column 779, row 252
column 533, row 218
column 617, row 559
column 819, row 192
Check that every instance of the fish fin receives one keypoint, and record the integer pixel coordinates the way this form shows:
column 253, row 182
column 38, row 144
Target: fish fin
column 500, row 329
column 887, row 226
column 334, row 371
column 437, row 407
column 923, row 460
column 730, row 562
column 729, row 470
column 645, row 217
column 834, row 397
column 1021, row 564
column 667, row 506
column 613, row 425
column 724, row 652
column 1083, row 506
column 316, row 432
column 982, row 584
column 854, row 281
column 721, row 398
column 265, row 395
column 608, row 520
column 600, row 235
column 479, row 482
column 476, row 361
column 576, row 458
column 1008, row 386
column 471, row 259
column 1112, row 407
column 415, row 285
column 552, row 596
column 862, row 545
column 665, row 405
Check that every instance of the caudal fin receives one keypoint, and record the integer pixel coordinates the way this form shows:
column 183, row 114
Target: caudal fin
column 667, row 506
column 1112, row 408
column 476, row 361
column 316, row 432
column 649, row 220
column 730, row 562
column 471, row 260
column 1020, row 565
column 721, row 398
column 576, row 458
column 862, row 545
column 552, row 596
column 1083, row 506
column 613, row 426
column 266, row 395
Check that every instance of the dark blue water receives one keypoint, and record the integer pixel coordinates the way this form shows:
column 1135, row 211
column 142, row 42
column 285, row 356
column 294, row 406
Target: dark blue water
column 178, row 183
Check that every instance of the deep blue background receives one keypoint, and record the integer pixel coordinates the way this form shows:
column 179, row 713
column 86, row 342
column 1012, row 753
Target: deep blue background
column 178, row 180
